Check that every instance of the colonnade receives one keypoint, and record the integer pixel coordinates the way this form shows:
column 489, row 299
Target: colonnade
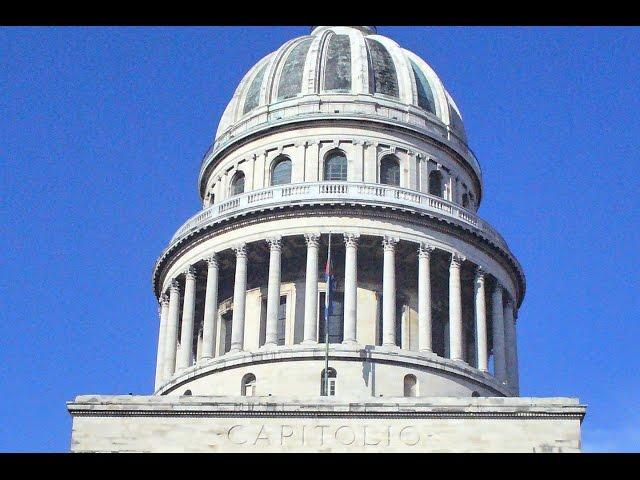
column 172, row 359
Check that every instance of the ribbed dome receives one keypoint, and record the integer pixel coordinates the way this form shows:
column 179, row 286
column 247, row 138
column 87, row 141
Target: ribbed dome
column 334, row 65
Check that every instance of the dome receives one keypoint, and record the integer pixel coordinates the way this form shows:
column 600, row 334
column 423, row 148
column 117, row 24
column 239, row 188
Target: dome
column 341, row 71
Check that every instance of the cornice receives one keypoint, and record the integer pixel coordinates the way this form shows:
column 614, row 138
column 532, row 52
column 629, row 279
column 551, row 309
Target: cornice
column 426, row 218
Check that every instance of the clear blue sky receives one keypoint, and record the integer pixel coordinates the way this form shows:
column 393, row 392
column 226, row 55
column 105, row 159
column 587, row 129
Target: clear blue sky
column 101, row 136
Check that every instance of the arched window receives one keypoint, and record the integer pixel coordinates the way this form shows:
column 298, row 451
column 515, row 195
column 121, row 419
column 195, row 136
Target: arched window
column 435, row 183
column 237, row 184
column 211, row 199
column 465, row 200
column 332, row 383
column 335, row 166
column 390, row 170
column 248, row 388
column 410, row 386
column 281, row 171
column 475, row 393
column 187, row 393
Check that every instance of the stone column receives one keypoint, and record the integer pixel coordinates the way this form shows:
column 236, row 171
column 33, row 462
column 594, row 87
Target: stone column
column 311, row 290
column 239, row 299
column 455, row 308
column 510, row 344
column 389, row 292
column 481, row 321
column 350, row 287
column 199, row 344
column 424, row 298
column 188, row 313
column 499, row 363
column 164, row 316
column 171, row 344
column 210, row 308
column 273, row 292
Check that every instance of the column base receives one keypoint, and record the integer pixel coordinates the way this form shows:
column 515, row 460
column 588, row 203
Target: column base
column 268, row 346
column 428, row 351
column 349, row 342
column 309, row 342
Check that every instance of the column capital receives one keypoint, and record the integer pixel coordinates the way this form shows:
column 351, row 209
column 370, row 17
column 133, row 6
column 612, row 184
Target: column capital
column 480, row 274
column 457, row 259
column 190, row 273
column 312, row 239
column 351, row 239
column 240, row 250
column 164, row 300
column 212, row 260
column 175, row 286
column 425, row 249
column 389, row 243
column 508, row 301
column 275, row 243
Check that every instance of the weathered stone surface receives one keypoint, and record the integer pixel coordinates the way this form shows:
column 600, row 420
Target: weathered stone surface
column 276, row 424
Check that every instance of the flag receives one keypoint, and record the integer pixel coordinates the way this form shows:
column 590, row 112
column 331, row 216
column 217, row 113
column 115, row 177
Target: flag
column 328, row 274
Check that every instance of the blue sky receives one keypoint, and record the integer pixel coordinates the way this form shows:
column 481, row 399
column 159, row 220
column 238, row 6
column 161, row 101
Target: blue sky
column 101, row 136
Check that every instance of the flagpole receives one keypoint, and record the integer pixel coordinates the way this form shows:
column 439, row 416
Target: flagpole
column 327, row 306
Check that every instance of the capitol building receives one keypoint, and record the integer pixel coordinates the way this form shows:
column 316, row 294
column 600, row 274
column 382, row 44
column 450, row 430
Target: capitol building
column 339, row 151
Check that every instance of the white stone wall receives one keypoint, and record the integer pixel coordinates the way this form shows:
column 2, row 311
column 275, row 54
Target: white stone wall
column 230, row 424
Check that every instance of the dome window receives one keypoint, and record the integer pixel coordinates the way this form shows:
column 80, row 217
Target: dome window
column 410, row 386
column 384, row 79
column 290, row 83
column 435, row 183
column 337, row 69
column 248, row 385
column 332, row 383
column 253, row 94
column 425, row 95
column 237, row 184
column 335, row 166
column 281, row 171
column 390, row 171
column 465, row 200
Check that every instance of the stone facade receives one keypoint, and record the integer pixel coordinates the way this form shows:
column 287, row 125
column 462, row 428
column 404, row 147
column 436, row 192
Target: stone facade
column 277, row 424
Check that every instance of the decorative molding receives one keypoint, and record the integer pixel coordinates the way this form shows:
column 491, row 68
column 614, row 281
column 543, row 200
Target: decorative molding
column 389, row 243
column 351, row 239
column 312, row 239
column 212, row 260
column 190, row 273
column 240, row 250
column 425, row 249
column 457, row 259
column 275, row 243
column 426, row 218
column 164, row 300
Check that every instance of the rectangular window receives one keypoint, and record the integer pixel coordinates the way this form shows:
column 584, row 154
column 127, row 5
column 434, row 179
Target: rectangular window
column 227, row 320
column 282, row 319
